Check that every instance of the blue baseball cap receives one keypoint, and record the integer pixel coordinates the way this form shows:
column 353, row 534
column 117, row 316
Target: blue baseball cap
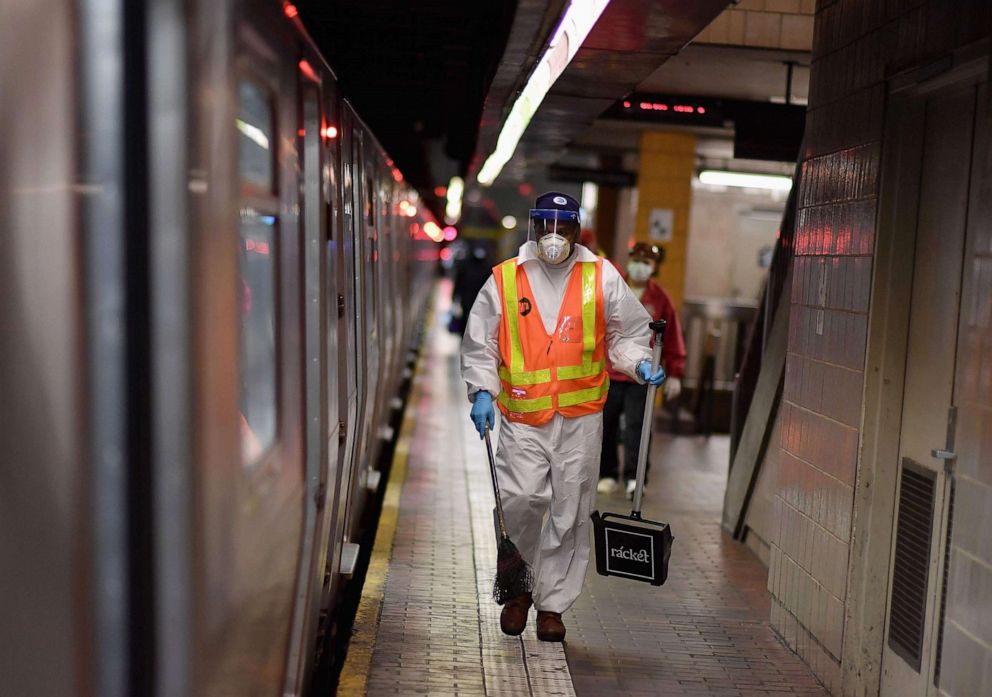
column 555, row 206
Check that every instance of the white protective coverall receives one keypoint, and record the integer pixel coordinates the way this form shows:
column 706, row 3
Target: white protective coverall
column 556, row 464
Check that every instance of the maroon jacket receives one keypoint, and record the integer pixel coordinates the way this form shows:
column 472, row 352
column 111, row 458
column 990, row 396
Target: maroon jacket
column 656, row 301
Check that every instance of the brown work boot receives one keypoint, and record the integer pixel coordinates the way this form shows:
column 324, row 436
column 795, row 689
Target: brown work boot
column 550, row 626
column 513, row 619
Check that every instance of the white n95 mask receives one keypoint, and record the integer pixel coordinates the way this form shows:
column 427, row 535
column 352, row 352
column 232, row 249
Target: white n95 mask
column 639, row 271
column 553, row 248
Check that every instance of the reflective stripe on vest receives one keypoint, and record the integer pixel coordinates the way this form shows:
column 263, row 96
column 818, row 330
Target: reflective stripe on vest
column 591, row 394
column 525, row 406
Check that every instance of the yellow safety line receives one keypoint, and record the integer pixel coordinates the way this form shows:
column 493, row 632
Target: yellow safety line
column 353, row 681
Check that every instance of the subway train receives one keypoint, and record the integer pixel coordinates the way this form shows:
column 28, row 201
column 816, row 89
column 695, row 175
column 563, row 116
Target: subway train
column 213, row 279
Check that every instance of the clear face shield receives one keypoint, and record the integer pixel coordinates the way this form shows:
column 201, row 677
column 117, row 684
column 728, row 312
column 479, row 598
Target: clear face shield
column 554, row 231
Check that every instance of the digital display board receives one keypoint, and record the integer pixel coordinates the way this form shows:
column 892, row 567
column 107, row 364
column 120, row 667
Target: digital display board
column 762, row 130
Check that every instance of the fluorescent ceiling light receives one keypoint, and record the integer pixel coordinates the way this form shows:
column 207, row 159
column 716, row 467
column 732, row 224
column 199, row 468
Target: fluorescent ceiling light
column 453, row 207
column 590, row 196
column 575, row 26
column 509, row 222
column 717, row 177
column 253, row 133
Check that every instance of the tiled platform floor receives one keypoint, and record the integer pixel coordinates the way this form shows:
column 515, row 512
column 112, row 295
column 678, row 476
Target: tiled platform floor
column 706, row 631
column 436, row 631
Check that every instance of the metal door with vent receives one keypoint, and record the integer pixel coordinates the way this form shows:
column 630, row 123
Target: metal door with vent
column 910, row 664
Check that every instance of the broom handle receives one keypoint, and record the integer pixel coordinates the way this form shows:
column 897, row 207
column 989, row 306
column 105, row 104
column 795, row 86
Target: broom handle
column 492, row 471
column 658, row 329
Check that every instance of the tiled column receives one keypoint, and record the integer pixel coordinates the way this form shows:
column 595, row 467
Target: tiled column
column 664, row 181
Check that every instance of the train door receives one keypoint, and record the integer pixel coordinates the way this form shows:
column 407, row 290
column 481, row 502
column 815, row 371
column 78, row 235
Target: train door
column 373, row 306
column 393, row 325
column 320, row 463
column 349, row 332
column 250, row 502
column 361, row 320
column 925, row 479
column 341, row 363
column 370, row 257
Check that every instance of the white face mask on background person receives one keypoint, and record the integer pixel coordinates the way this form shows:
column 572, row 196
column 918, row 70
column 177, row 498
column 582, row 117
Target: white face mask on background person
column 639, row 271
column 553, row 248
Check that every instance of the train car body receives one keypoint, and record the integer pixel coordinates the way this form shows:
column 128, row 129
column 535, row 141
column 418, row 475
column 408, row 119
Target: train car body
column 214, row 275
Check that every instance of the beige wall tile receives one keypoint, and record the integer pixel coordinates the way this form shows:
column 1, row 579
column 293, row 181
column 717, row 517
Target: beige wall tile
column 762, row 29
column 790, row 6
column 735, row 26
column 797, row 32
column 751, row 5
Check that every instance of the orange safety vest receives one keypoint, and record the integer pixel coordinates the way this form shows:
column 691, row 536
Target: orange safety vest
column 562, row 373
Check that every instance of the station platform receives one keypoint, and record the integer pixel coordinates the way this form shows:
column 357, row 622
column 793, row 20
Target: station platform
column 427, row 624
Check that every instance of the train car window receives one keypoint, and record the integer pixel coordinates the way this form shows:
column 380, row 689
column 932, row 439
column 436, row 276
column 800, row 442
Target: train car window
column 257, row 307
column 255, row 140
column 257, row 282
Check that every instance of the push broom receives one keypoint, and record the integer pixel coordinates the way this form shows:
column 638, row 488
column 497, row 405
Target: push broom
column 513, row 575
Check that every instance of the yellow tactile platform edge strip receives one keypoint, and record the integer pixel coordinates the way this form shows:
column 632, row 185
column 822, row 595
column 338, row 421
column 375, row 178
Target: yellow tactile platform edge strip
column 353, row 681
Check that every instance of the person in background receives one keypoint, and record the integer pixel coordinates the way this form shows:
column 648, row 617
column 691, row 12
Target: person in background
column 470, row 275
column 627, row 396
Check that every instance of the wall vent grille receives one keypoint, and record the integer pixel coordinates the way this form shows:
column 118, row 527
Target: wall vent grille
column 911, row 568
column 943, row 591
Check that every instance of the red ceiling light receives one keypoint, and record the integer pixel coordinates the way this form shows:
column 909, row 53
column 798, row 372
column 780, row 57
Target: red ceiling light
column 626, row 104
column 440, row 191
column 450, row 233
column 308, row 70
column 289, row 9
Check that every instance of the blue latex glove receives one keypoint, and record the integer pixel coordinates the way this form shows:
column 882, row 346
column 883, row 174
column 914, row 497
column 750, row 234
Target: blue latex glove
column 644, row 372
column 482, row 413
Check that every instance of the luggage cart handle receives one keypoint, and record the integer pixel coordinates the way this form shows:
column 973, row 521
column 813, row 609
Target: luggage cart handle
column 658, row 329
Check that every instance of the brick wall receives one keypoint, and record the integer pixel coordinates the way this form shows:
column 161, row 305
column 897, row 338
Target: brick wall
column 857, row 44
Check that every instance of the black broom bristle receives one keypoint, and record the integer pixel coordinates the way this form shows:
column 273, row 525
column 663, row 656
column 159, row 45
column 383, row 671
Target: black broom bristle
column 513, row 575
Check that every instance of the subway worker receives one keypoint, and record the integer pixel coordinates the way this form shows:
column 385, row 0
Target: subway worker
column 536, row 345
column 627, row 396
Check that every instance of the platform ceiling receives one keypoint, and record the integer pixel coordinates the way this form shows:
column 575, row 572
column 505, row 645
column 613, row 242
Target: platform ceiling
column 434, row 79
